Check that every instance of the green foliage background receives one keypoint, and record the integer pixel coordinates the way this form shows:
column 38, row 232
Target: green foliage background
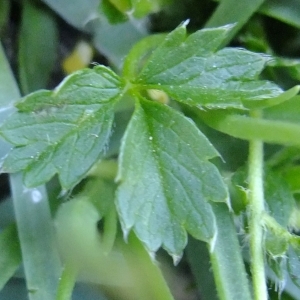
column 172, row 176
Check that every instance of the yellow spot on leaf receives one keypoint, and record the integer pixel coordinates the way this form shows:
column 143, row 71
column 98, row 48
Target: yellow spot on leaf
column 158, row 96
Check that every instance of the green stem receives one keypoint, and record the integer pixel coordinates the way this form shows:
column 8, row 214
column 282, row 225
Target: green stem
column 256, row 205
column 66, row 283
column 110, row 230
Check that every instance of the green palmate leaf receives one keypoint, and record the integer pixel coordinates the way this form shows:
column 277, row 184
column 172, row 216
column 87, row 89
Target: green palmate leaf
column 63, row 131
column 166, row 180
column 194, row 71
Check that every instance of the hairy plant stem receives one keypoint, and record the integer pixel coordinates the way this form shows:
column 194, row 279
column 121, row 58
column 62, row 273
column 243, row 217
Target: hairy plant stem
column 256, row 205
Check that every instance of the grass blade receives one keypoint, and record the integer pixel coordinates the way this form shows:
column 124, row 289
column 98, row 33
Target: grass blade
column 232, row 11
column 35, row 227
column 34, row 66
column 226, row 258
column 34, row 222
column 198, row 258
column 10, row 251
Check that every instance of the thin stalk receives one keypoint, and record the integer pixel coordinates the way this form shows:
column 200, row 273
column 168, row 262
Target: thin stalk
column 66, row 283
column 256, row 205
column 110, row 231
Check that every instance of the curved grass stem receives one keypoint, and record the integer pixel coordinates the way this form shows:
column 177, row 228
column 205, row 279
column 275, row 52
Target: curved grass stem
column 256, row 206
column 66, row 283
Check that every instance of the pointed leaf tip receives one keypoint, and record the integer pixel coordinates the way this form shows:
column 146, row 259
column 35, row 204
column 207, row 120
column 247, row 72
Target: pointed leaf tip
column 152, row 256
column 176, row 259
column 185, row 23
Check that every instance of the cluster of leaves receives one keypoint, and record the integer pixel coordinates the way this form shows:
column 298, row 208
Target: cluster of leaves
column 167, row 186
column 161, row 149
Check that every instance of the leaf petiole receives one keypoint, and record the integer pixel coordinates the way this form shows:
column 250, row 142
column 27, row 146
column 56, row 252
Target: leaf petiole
column 66, row 283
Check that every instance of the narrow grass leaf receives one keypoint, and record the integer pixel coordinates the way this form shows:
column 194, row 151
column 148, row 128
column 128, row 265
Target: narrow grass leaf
column 4, row 13
column 198, row 258
column 10, row 258
column 35, row 229
column 34, row 66
column 34, row 223
column 9, row 89
column 287, row 11
column 226, row 259
column 233, row 12
column 8, row 95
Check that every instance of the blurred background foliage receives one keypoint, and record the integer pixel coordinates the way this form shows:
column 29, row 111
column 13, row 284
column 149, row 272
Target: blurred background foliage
column 43, row 41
